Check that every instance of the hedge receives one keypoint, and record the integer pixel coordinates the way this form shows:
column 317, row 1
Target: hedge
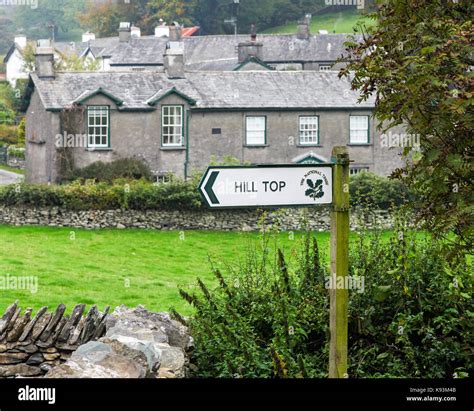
column 133, row 195
column 366, row 190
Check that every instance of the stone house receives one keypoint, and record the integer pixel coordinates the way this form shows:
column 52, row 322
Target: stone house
column 178, row 120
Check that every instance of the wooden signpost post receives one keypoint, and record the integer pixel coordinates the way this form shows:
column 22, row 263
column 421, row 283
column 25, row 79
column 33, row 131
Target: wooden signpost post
column 298, row 186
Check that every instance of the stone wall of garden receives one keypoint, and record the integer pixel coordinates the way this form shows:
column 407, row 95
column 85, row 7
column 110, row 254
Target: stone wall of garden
column 317, row 219
column 30, row 346
column 128, row 343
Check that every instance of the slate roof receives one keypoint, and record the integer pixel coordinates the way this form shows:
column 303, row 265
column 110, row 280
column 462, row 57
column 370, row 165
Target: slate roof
column 220, row 52
column 210, row 90
column 140, row 51
column 210, row 53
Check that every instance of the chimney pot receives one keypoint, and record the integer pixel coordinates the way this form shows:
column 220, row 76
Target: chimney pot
column 253, row 32
column 303, row 29
column 175, row 32
column 135, row 31
column 124, row 32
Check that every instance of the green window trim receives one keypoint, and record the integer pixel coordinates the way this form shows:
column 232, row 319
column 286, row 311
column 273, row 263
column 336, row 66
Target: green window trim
column 301, row 143
column 89, row 126
column 264, row 132
column 368, row 130
column 182, row 137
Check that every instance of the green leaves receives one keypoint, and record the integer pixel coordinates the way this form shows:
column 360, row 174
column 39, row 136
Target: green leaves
column 421, row 74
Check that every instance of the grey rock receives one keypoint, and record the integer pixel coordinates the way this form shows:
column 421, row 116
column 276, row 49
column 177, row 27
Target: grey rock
column 173, row 359
column 22, row 370
column 110, row 366
column 142, row 352
column 93, row 351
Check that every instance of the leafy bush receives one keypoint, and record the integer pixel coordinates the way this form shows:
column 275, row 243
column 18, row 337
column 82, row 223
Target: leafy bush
column 21, row 133
column 129, row 168
column 414, row 318
column 97, row 187
column 372, row 190
column 7, row 115
column 8, row 134
column 17, row 152
column 89, row 195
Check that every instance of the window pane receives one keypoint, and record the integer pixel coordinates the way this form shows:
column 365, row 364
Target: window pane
column 359, row 129
column 255, row 133
column 172, row 125
column 98, row 126
column 309, row 126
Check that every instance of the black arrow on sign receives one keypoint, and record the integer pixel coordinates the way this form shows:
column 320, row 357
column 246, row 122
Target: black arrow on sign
column 208, row 187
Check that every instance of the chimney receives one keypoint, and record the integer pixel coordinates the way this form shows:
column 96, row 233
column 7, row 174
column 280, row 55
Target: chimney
column 88, row 36
column 174, row 60
column 175, row 32
column 162, row 30
column 44, row 59
column 135, row 31
column 21, row 41
column 124, row 32
column 303, row 28
column 250, row 48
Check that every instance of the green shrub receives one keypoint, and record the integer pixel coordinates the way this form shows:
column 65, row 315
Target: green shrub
column 31, row 195
column 21, row 133
column 269, row 318
column 129, row 168
column 17, row 152
column 371, row 190
column 8, row 134
column 89, row 195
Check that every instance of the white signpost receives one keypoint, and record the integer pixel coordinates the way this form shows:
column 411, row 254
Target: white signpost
column 298, row 186
column 267, row 186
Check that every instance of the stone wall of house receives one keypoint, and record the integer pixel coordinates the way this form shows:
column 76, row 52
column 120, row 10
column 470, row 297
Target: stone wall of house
column 32, row 346
column 316, row 219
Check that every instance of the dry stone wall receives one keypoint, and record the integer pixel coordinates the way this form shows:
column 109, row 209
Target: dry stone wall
column 30, row 346
column 128, row 343
column 220, row 220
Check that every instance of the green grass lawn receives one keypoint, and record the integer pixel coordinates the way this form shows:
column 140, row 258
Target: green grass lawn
column 96, row 266
column 342, row 22
column 12, row 169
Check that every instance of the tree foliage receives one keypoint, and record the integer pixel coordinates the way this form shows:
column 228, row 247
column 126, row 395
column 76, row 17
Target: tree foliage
column 418, row 62
column 51, row 16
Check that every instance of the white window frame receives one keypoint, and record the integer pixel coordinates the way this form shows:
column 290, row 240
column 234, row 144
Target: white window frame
column 358, row 129
column 175, row 138
column 308, row 134
column 255, row 130
column 98, row 117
